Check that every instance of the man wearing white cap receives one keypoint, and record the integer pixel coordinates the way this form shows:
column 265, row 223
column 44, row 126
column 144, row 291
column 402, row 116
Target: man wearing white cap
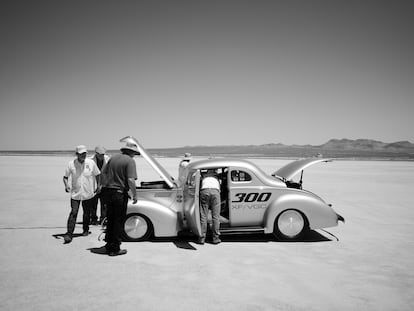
column 182, row 167
column 84, row 182
column 100, row 158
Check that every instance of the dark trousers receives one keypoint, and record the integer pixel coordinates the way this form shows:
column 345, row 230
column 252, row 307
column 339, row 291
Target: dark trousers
column 116, row 204
column 74, row 208
column 94, row 207
column 94, row 215
column 210, row 199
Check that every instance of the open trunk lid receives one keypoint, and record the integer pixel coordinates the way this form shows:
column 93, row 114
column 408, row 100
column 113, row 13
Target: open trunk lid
column 288, row 171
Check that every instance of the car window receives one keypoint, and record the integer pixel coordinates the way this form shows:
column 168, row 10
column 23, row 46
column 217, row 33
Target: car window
column 191, row 179
column 240, row 176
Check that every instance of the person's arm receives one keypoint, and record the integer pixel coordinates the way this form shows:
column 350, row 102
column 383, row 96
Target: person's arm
column 132, row 176
column 97, row 174
column 133, row 189
column 66, row 183
column 66, row 177
column 98, row 183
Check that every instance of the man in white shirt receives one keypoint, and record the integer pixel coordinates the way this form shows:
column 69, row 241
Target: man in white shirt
column 84, row 183
column 210, row 198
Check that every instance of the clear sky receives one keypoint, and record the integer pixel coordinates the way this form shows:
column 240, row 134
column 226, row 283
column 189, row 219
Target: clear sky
column 178, row 73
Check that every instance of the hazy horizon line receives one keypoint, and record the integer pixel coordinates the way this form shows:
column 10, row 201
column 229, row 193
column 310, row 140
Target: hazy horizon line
column 210, row 146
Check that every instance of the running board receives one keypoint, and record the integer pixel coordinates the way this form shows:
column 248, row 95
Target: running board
column 242, row 230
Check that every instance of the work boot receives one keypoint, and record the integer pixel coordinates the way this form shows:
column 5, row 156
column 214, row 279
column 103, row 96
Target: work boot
column 118, row 253
column 216, row 241
column 67, row 238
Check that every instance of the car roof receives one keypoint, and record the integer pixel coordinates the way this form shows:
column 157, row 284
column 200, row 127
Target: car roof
column 223, row 162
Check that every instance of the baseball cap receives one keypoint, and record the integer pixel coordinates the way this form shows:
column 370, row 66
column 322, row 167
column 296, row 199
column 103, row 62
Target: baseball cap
column 100, row 150
column 81, row 149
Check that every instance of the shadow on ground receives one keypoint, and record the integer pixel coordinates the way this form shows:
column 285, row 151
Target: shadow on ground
column 61, row 235
column 185, row 241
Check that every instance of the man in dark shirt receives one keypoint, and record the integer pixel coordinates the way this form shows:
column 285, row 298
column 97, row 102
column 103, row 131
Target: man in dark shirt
column 118, row 177
column 100, row 158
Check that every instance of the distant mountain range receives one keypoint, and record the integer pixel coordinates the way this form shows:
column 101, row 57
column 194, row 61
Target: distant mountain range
column 335, row 148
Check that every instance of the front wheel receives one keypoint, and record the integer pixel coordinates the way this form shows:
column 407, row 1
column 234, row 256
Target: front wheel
column 137, row 227
column 290, row 224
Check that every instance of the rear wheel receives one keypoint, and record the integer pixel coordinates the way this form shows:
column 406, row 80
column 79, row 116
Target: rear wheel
column 290, row 224
column 137, row 227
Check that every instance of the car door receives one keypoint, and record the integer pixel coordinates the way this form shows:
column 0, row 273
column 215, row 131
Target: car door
column 248, row 198
column 191, row 193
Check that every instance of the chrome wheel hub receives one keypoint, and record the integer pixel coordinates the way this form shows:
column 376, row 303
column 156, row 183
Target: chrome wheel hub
column 136, row 227
column 290, row 223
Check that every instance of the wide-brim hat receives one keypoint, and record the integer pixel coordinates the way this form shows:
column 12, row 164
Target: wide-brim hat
column 100, row 150
column 131, row 147
column 81, row 149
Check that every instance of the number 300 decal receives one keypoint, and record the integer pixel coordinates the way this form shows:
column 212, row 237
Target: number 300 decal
column 252, row 197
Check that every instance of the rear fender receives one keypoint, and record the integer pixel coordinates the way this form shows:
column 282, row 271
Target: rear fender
column 317, row 212
column 164, row 220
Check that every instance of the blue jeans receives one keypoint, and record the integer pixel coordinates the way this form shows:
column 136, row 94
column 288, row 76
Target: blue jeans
column 116, row 205
column 210, row 198
column 74, row 204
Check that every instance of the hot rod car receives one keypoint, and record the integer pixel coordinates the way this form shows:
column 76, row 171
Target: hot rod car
column 251, row 201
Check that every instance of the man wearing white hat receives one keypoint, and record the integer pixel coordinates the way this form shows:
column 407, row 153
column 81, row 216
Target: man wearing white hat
column 118, row 178
column 84, row 182
column 100, row 158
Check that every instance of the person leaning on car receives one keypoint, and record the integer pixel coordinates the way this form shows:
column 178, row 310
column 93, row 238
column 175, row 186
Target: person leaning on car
column 85, row 182
column 118, row 177
column 210, row 198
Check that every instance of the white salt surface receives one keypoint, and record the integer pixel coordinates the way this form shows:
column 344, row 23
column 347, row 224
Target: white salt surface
column 371, row 267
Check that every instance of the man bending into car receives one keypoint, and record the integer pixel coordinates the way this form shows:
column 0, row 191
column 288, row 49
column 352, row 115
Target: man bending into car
column 210, row 199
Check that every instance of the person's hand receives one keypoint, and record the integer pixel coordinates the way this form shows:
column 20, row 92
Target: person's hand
column 134, row 201
column 67, row 189
column 98, row 190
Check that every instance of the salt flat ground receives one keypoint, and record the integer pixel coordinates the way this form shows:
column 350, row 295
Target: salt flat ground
column 371, row 267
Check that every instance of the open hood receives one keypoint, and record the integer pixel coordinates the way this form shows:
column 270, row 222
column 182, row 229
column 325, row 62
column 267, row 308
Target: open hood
column 148, row 157
column 291, row 169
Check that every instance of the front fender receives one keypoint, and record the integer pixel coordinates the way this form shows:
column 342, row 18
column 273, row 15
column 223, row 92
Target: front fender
column 165, row 221
column 317, row 212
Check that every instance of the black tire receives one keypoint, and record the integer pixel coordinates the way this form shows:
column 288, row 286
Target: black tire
column 290, row 224
column 137, row 227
